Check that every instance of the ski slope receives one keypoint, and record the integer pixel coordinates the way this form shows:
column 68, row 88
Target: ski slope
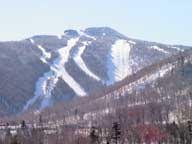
column 40, row 89
column 59, row 63
column 44, row 84
column 81, row 64
column 50, row 85
column 45, row 55
column 118, row 61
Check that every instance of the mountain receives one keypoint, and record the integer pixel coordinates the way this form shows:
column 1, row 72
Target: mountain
column 43, row 70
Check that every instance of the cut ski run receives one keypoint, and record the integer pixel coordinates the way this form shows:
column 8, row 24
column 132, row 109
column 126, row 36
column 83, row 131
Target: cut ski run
column 45, row 55
column 42, row 87
column 59, row 63
column 79, row 61
column 118, row 61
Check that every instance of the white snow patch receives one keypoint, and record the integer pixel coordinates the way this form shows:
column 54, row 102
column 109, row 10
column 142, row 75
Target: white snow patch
column 104, row 34
column 140, row 83
column 40, row 89
column 45, row 55
column 61, row 71
column 177, row 48
column 79, row 61
column 132, row 42
column 82, row 33
column 32, row 41
column 59, row 37
column 44, row 85
column 159, row 49
column 118, row 61
column 48, row 88
column 172, row 117
column 13, row 132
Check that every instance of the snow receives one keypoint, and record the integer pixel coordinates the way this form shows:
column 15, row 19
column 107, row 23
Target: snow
column 13, row 132
column 172, row 117
column 32, row 41
column 159, row 49
column 79, row 61
column 59, row 63
column 177, row 48
column 140, row 83
column 59, row 37
column 104, row 34
column 39, row 89
column 42, row 88
column 152, row 77
column 118, row 61
column 45, row 55
column 132, row 42
column 46, row 83
column 82, row 33
column 190, row 103
column 49, row 86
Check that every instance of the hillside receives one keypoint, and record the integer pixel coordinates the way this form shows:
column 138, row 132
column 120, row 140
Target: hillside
column 41, row 71
column 164, row 86
column 153, row 105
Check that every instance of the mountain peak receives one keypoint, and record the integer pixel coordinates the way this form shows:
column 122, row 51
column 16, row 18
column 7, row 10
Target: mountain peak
column 71, row 32
column 102, row 31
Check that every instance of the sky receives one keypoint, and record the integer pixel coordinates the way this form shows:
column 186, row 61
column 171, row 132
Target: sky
column 167, row 21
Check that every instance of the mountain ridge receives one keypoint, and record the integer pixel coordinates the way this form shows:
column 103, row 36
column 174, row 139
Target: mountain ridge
column 80, row 57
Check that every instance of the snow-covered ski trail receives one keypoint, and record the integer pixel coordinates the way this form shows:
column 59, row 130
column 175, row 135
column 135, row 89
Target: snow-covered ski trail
column 79, row 61
column 45, row 55
column 44, row 84
column 64, row 54
column 40, row 89
column 118, row 61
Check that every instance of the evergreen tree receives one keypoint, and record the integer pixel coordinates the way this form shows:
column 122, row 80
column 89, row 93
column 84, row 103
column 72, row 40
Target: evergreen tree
column 116, row 132
column 93, row 135
column 190, row 130
column 23, row 125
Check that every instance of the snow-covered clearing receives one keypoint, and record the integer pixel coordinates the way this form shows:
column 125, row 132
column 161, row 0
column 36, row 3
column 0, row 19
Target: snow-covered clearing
column 44, row 84
column 40, row 89
column 118, row 61
column 159, row 49
column 50, row 85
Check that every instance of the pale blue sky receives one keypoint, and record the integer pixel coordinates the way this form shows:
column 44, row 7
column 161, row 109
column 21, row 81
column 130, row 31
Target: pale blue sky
column 168, row 21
